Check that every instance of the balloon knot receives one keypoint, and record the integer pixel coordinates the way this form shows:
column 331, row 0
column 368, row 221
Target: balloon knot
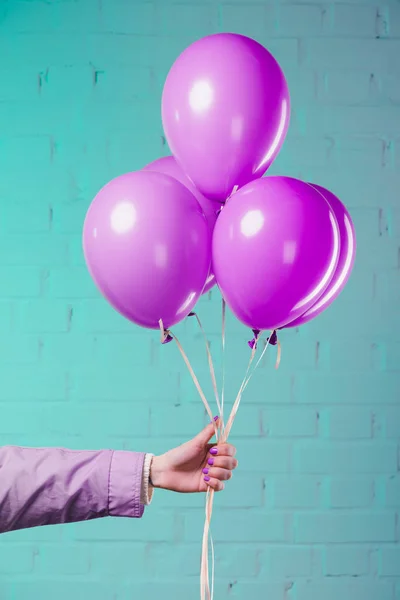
column 167, row 338
column 273, row 340
column 253, row 343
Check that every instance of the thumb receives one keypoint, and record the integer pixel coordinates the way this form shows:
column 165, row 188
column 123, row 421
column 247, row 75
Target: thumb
column 207, row 433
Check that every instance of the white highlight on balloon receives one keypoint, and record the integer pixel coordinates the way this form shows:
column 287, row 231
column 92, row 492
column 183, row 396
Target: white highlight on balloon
column 183, row 308
column 252, row 223
column 123, row 217
column 317, row 291
column 277, row 138
column 334, row 290
column 201, row 96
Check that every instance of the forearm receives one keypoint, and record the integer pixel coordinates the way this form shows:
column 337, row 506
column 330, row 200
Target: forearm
column 43, row 486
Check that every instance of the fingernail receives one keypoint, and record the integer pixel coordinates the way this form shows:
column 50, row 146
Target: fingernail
column 205, row 471
column 216, row 418
column 214, row 451
column 210, row 461
column 206, row 478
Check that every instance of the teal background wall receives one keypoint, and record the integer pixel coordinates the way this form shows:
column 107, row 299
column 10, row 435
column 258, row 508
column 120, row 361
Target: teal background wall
column 313, row 512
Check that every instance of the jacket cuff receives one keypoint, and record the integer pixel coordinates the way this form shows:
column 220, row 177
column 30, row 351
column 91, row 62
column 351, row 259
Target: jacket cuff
column 125, row 484
column 147, row 488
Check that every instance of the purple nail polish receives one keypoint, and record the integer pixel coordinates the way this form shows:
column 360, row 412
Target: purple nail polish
column 205, row 471
column 216, row 418
column 214, row 451
column 206, row 478
column 210, row 461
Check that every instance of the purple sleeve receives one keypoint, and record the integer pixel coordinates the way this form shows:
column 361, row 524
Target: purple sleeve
column 44, row 486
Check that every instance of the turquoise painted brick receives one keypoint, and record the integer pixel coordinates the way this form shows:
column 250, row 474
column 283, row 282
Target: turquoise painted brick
column 352, row 561
column 390, row 562
column 313, row 510
column 351, row 492
column 346, row 589
column 294, row 491
column 345, row 527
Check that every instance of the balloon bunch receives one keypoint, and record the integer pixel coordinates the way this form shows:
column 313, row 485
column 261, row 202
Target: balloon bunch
column 280, row 249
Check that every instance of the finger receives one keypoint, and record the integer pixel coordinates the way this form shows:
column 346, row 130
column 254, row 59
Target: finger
column 213, row 483
column 207, row 433
column 222, row 450
column 224, row 462
column 218, row 473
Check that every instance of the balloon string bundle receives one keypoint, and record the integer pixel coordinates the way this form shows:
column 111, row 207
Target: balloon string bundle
column 222, row 430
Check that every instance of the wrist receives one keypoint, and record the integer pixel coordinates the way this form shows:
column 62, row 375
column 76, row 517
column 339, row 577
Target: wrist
column 156, row 472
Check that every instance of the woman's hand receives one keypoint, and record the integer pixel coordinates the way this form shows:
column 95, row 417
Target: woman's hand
column 195, row 466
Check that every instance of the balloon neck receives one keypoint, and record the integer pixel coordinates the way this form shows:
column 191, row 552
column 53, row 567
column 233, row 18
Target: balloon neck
column 273, row 339
column 167, row 338
column 253, row 343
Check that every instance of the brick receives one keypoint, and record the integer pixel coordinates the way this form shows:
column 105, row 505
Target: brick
column 238, row 526
column 390, row 87
column 43, row 316
column 302, row 20
column 28, row 250
column 350, row 355
column 244, row 491
column 351, row 492
column 16, row 559
column 118, row 81
column 350, row 423
column 293, row 491
column 352, row 120
column 21, row 282
column 342, row 561
column 180, row 421
column 71, row 283
column 78, row 589
column 199, row 18
column 118, row 385
column 97, row 316
column 347, row 388
column 289, row 561
column 393, row 423
column 61, row 80
column 258, row 21
column 20, row 82
column 345, row 458
column 349, row 87
column 342, row 53
column 39, row 148
column 346, row 590
column 29, row 383
column 19, row 349
column 355, row 21
column 66, row 560
column 263, row 456
column 390, row 562
column 20, row 218
column 290, row 422
column 342, row 527
column 393, row 491
column 6, row 316
column 70, row 349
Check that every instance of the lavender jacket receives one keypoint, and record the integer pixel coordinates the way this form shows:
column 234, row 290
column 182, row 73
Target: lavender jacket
column 45, row 486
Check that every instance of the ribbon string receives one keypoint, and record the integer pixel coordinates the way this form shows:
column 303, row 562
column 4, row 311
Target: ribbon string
column 222, row 430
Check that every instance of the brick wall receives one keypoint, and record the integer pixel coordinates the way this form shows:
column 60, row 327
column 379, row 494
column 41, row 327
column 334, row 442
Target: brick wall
column 313, row 510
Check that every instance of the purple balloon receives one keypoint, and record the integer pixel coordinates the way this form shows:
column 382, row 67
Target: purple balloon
column 345, row 263
column 225, row 112
column 275, row 249
column 169, row 166
column 147, row 245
